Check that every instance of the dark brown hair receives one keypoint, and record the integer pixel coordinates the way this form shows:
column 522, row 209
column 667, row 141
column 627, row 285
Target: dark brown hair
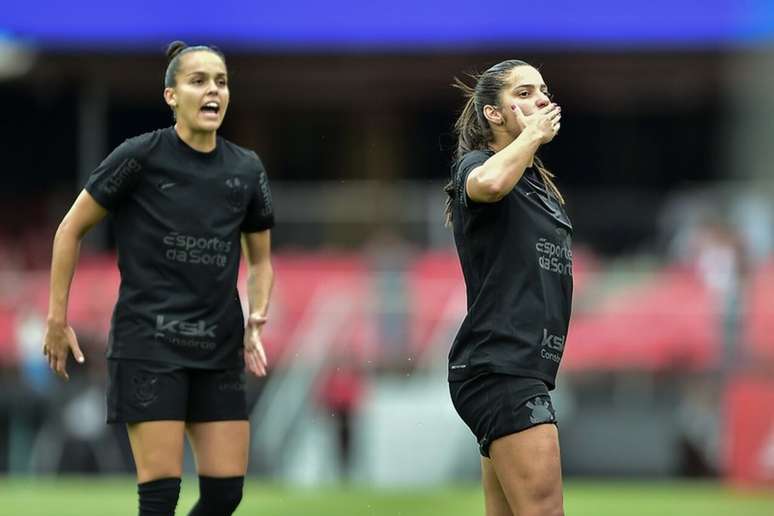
column 178, row 48
column 472, row 128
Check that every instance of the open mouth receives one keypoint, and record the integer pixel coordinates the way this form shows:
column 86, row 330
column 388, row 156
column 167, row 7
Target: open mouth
column 210, row 109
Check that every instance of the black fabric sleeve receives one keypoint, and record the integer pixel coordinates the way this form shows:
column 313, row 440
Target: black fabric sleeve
column 112, row 181
column 468, row 163
column 260, row 212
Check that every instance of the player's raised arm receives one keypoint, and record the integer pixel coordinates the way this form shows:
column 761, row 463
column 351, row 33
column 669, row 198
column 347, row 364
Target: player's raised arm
column 494, row 179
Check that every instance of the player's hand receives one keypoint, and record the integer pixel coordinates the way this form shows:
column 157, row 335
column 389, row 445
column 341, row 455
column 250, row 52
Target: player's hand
column 545, row 122
column 255, row 356
column 58, row 342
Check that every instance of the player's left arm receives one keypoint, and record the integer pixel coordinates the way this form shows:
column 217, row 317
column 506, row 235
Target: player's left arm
column 256, row 248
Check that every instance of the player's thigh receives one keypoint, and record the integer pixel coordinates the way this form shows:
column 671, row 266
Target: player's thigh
column 528, row 466
column 495, row 502
column 220, row 447
column 157, row 448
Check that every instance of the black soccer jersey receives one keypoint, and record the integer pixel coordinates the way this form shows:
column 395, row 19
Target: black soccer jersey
column 517, row 263
column 178, row 214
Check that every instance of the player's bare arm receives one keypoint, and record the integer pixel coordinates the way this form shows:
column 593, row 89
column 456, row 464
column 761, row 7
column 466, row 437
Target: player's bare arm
column 256, row 248
column 60, row 339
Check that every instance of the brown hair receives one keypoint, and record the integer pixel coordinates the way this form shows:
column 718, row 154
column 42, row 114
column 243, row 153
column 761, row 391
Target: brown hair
column 178, row 48
column 473, row 130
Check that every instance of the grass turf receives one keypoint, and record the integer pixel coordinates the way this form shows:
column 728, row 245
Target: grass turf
column 83, row 496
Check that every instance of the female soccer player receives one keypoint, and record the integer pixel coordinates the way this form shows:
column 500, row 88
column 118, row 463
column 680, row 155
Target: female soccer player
column 513, row 239
column 180, row 198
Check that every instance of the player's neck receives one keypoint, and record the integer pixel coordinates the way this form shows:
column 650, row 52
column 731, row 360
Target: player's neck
column 198, row 140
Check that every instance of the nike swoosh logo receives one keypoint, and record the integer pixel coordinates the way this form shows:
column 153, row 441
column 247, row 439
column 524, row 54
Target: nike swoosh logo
column 167, row 185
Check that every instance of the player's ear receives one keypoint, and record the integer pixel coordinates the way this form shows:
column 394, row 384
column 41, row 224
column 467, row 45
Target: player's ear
column 493, row 114
column 170, row 97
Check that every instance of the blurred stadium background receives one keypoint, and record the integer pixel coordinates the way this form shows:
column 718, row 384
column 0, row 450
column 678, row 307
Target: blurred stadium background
column 665, row 157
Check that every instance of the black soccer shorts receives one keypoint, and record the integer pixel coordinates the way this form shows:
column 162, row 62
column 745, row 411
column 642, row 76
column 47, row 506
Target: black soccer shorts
column 496, row 405
column 139, row 390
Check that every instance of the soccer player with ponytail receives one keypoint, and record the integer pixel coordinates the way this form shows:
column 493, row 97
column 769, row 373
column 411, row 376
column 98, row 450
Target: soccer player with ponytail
column 184, row 201
column 513, row 238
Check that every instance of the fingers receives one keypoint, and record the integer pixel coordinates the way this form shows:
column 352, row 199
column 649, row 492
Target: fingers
column 554, row 117
column 254, row 364
column 61, row 369
column 255, row 356
column 520, row 117
column 57, row 345
column 262, row 355
column 58, row 364
column 50, row 359
column 76, row 350
column 251, row 363
column 546, row 118
column 260, row 358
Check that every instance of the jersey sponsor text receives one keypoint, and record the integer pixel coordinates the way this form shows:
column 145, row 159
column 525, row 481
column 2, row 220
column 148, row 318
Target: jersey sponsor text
column 554, row 257
column 196, row 250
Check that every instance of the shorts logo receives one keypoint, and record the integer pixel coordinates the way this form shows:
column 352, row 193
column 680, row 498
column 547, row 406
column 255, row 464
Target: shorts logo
column 146, row 388
column 237, row 194
column 232, row 382
column 542, row 411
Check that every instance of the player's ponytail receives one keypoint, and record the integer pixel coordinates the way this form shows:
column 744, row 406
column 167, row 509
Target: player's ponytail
column 470, row 135
column 548, row 177
column 472, row 132
column 174, row 48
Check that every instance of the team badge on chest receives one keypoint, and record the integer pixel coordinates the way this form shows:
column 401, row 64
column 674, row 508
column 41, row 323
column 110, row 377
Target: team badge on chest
column 237, row 193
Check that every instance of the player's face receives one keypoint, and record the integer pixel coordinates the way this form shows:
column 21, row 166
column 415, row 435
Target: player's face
column 201, row 94
column 526, row 89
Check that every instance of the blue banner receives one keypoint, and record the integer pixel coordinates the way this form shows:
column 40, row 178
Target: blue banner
column 318, row 25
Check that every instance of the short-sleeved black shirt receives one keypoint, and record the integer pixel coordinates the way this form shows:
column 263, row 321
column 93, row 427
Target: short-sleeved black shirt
column 517, row 262
column 178, row 214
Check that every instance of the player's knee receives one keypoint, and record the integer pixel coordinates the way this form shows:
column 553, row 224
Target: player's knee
column 158, row 497
column 158, row 465
column 554, row 510
column 542, row 511
column 544, row 500
column 219, row 496
column 545, row 507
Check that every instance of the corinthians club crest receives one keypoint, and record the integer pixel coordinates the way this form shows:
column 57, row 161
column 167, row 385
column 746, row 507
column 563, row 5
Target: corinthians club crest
column 146, row 388
column 237, row 193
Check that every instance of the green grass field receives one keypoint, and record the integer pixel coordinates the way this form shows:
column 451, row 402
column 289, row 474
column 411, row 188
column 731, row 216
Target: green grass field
column 115, row 497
